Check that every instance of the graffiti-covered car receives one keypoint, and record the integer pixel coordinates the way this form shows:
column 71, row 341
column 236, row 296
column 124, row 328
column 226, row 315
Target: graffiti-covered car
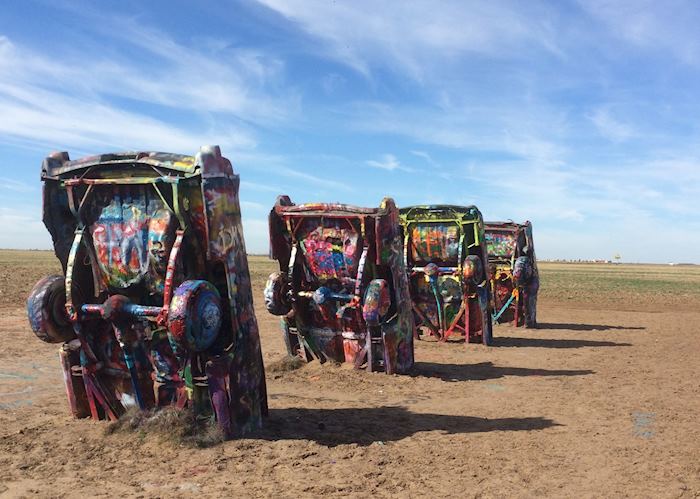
column 445, row 257
column 154, row 306
column 513, row 272
column 341, row 287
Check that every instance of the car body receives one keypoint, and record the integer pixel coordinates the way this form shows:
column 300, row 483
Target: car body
column 445, row 257
column 154, row 307
column 341, row 288
column 513, row 272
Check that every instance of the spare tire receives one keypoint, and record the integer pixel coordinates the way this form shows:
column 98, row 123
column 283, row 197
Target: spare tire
column 195, row 315
column 46, row 310
column 522, row 270
column 472, row 269
column 275, row 294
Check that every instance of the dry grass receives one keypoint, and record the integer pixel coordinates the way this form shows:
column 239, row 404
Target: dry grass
column 285, row 364
column 613, row 286
column 600, row 285
column 178, row 426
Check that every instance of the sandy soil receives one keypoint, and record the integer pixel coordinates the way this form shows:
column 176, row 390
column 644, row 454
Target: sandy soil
column 597, row 402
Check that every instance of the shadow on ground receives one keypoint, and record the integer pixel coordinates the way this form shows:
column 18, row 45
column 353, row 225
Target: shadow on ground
column 364, row 426
column 506, row 341
column 585, row 327
column 485, row 371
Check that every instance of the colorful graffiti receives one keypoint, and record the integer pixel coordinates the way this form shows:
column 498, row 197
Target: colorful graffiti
column 448, row 289
column 342, row 286
column 435, row 242
column 500, row 244
column 330, row 248
column 132, row 236
column 513, row 273
column 157, row 294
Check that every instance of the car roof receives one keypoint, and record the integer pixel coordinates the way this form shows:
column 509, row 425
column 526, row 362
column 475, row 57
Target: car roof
column 59, row 165
column 427, row 212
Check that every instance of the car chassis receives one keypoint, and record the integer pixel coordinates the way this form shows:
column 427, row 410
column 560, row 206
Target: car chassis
column 342, row 286
column 513, row 272
column 154, row 306
column 445, row 257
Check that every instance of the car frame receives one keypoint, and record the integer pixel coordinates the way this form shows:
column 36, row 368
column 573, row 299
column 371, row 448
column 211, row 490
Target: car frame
column 447, row 273
column 341, row 289
column 513, row 272
column 154, row 307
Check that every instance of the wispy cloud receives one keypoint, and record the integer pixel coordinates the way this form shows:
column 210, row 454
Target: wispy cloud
column 670, row 26
column 17, row 186
column 610, row 127
column 427, row 157
column 387, row 162
column 577, row 115
column 70, row 101
column 525, row 132
column 364, row 34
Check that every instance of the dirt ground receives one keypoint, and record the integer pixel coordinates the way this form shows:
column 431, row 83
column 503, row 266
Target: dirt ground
column 601, row 401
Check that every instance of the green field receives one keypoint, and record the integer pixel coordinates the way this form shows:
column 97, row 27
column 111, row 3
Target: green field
column 622, row 286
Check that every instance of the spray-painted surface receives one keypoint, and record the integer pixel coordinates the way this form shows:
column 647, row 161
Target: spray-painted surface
column 435, row 243
column 342, row 285
column 500, row 244
column 330, row 248
column 132, row 235
column 513, row 272
column 445, row 257
column 157, row 295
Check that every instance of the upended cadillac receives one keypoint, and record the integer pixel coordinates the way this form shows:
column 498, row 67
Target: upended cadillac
column 154, row 306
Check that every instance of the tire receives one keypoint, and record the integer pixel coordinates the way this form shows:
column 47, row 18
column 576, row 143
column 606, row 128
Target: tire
column 195, row 315
column 522, row 270
column 275, row 294
column 472, row 269
column 46, row 310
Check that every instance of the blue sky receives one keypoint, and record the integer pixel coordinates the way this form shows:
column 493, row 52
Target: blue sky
column 583, row 117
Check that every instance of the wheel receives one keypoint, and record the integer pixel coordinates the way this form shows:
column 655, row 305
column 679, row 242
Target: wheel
column 46, row 309
column 522, row 270
column 377, row 302
column 472, row 269
column 195, row 315
column 275, row 294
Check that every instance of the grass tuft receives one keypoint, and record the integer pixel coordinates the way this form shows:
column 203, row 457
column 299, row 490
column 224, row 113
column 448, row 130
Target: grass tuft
column 178, row 426
column 286, row 364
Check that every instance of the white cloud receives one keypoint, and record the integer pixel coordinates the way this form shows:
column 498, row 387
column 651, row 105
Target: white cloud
column 15, row 186
column 65, row 100
column 670, row 26
column 65, row 122
column 410, row 35
column 529, row 132
column 610, row 127
column 427, row 157
column 388, row 162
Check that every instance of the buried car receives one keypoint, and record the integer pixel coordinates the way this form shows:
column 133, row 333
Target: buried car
column 445, row 257
column 341, row 288
column 513, row 272
column 154, row 307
